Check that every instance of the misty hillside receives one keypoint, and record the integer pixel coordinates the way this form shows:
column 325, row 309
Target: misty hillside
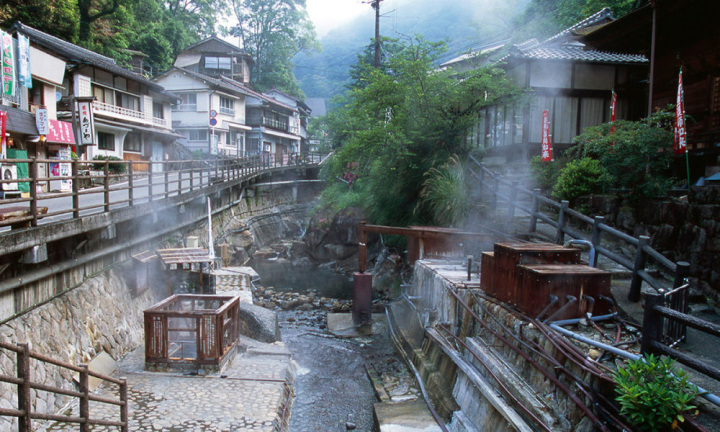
column 463, row 24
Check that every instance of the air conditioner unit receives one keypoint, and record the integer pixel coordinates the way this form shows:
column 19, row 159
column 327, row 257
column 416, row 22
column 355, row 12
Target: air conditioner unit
column 9, row 172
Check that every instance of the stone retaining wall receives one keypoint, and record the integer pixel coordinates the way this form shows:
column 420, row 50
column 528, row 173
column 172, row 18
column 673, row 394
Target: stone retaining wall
column 101, row 314
column 683, row 229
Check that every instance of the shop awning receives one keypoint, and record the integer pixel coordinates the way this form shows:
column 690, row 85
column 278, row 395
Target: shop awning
column 19, row 121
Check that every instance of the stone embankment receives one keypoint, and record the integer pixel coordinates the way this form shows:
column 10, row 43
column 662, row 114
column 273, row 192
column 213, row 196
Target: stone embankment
column 682, row 229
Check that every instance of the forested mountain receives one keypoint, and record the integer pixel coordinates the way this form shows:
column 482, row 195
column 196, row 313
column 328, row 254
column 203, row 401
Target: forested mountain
column 463, row 24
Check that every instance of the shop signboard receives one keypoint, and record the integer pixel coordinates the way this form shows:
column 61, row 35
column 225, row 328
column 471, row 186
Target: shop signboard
column 41, row 121
column 86, row 123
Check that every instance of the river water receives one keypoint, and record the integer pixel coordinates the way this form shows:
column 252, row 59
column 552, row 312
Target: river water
column 332, row 389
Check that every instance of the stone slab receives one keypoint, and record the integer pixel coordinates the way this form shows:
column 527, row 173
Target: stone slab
column 408, row 416
column 103, row 364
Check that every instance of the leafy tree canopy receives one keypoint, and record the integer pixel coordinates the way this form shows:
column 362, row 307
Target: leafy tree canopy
column 158, row 28
column 273, row 32
column 404, row 120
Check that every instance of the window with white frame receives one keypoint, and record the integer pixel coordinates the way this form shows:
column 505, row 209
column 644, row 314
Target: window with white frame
column 188, row 102
column 227, row 105
column 221, row 63
column 198, row 135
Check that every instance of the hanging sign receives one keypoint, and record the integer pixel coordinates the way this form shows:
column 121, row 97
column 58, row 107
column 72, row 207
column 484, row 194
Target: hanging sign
column 680, row 131
column 24, row 74
column 41, row 121
column 86, row 123
column 8, row 65
column 547, row 155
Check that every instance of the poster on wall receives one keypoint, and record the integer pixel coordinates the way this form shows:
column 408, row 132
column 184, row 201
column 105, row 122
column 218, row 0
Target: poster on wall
column 65, row 169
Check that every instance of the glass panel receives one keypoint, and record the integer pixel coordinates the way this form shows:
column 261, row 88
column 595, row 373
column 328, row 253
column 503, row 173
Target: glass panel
column 591, row 112
column 564, row 119
column 211, row 62
column 224, row 63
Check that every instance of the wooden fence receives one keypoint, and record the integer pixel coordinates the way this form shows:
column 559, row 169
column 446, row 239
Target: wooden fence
column 23, row 379
column 121, row 184
column 571, row 223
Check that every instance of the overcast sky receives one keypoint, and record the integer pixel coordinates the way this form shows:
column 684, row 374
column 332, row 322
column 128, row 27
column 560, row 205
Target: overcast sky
column 329, row 14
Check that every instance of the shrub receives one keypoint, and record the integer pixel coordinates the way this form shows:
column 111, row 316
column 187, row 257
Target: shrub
column 444, row 193
column 637, row 154
column 653, row 393
column 113, row 168
column 579, row 178
column 545, row 174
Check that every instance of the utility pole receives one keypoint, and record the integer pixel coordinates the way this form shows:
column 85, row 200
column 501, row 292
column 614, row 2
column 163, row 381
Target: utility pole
column 376, row 5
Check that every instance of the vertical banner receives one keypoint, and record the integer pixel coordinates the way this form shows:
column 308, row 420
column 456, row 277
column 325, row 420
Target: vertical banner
column 613, row 106
column 8, row 65
column 547, row 155
column 86, row 124
column 3, row 126
column 680, row 133
column 24, row 71
column 41, row 121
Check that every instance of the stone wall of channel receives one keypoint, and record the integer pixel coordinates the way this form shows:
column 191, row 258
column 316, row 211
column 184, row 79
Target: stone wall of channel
column 99, row 315
column 102, row 314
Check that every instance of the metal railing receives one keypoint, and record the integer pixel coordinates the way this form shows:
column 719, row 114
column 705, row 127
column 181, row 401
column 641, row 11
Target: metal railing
column 27, row 390
column 571, row 223
column 125, row 183
column 663, row 323
column 102, row 107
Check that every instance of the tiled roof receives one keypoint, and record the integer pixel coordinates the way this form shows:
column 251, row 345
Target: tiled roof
column 19, row 121
column 257, row 94
column 221, row 84
column 78, row 54
column 598, row 17
column 577, row 53
column 563, row 47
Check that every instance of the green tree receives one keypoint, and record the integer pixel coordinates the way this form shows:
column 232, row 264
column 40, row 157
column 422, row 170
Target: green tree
column 273, row 32
column 59, row 17
column 407, row 119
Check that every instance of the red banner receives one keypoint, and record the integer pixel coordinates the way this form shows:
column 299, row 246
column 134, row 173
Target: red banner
column 3, row 126
column 612, row 117
column 547, row 155
column 680, row 132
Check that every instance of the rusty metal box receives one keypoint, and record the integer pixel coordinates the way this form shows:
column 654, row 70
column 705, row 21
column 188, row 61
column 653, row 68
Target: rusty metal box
column 487, row 271
column 536, row 282
column 508, row 256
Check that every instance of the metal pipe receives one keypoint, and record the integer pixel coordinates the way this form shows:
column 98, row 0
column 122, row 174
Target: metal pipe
column 497, row 379
column 553, row 300
column 703, row 393
column 580, row 404
column 577, row 320
column 418, row 378
column 570, row 301
column 586, row 243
